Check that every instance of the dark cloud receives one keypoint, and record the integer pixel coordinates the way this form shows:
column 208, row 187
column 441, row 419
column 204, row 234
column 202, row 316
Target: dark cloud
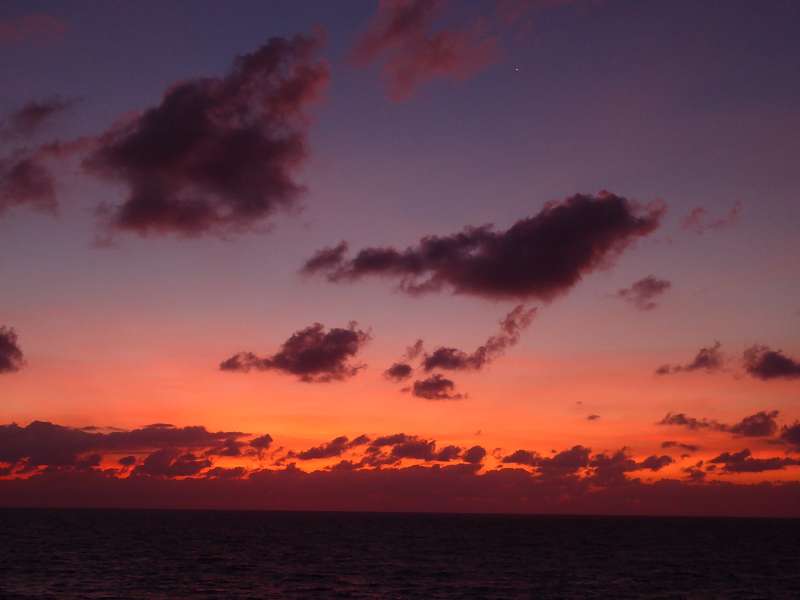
column 335, row 447
column 217, row 154
column 474, row 455
column 743, row 462
column 225, row 473
column 391, row 440
column 763, row 363
column 681, row 445
column 521, row 457
column 610, row 469
column 30, row 117
column 435, row 387
column 262, row 442
column 231, row 447
column 708, row 359
column 24, row 180
column 402, row 370
column 538, row 257
column 592, row 417
column 41, row 443
column 564, row 463
column 312, row 354
column 699, row 221
column 790, row 434
column 447, row 479
column 692, row 423
column 511, row 326
column 655, row 463
column 398, row 371
column 31, row 27
column 11, row 357
column 643, row 293
column 457, row 487
column 761, row 424
column 401, row 446
column 171, row 462
column 411, row 52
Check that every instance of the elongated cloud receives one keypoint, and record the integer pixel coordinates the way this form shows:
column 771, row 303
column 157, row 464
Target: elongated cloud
column 399, row 371
column 43, row 443
column 335, row 447
column 312, row 354
column 790, row 434
column 700, row 221
column 538, row 257
column 708, row 359
column 643, row 293
column 411, row 52
column 681, row 445
column 26, row 181
column 763, row 363
column 30, row 117
column 217, row 154
column 171, row 462
column 511, row 327
column 435, row 387
column 760, row 424
column 11, row 357
column 743, row 462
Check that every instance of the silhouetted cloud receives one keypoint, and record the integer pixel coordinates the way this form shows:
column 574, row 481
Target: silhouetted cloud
column 24, row 180
column 610, row 469
column 42, row 443
column 171, row 462
column 446, row 478
column 743, row 462
column 217, row 154
column 454, row 359
column 230, row 447
column 225, row 473
column 31, row 27
column 760, row 424
column 521, row 457
column 261, row 442
column 335, row 447
column 681, row 445
column 592, row 417
column 541, row 256
column 708, row 359
column 692, row 423
column 699, row 221
column 31, row 116
column 402, row 39
column 642, row 294
column 11, row 357
column 790, row 434
column 435, row 387
column 312, row 354
column 438, row 488
column 474, row 455
column 398, row 371
column 763, row 363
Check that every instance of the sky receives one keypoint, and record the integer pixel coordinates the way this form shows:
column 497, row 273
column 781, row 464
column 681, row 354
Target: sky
column 514, row 256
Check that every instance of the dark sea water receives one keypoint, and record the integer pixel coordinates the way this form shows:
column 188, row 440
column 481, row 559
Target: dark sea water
column 197, row 554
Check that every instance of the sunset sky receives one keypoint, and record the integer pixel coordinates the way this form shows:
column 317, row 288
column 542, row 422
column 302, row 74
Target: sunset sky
column 586, row 210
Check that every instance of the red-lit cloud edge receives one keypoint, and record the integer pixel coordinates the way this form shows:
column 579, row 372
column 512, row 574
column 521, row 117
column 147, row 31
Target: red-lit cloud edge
column 162, row 466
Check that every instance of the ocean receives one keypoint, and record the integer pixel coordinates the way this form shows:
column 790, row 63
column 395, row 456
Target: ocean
column 64, row 554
